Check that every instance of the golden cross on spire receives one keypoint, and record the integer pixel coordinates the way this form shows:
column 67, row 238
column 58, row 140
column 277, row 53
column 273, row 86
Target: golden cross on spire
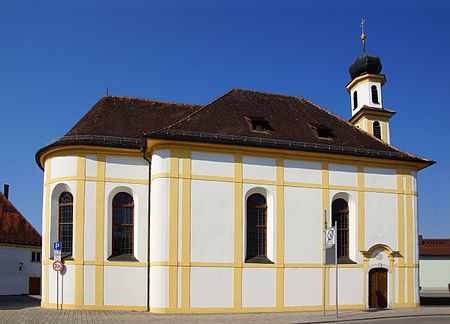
column 363, row 36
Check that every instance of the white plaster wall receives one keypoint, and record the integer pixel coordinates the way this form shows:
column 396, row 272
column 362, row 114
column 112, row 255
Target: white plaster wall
column 126, row 167
column 380, row 178
column 380, row 219
column 211, row 164
column 303, row 225
column 90, row 205
column 270, row 193
column 66, row 285
column 212, row 221
column 303, row 287
column 160, row 161
column 63, row 166
column 91, row 166
column 350, row 286
column 125, row 286
column 258, row 287
column 343, row 175
column 302, row 171
column 159, row 219
column 434, row 272
column 56, row 189
column 258, row 168
column 12, row 280
column 159, row 283
column 211, row 287
column 89, row 285
column 139, row 194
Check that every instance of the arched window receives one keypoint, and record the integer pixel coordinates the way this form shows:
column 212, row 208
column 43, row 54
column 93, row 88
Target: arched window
column 374, row 94
column 355, row 100
column 65, row 223
column 340, row 215
column 377, row 129
column 122, row 224
column 256, row 227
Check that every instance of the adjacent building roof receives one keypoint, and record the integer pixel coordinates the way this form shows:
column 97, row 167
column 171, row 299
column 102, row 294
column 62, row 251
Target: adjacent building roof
column 434, row 247
column 14, row 228
column 239, row 117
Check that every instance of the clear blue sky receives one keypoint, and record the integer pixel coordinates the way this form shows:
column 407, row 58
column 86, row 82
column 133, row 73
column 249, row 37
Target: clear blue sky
column 57, row 57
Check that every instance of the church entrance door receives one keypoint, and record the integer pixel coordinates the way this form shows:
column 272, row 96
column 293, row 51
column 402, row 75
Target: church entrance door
column 378, row 288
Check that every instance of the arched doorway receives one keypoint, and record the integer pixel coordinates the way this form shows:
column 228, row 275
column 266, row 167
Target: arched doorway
column 378, row 288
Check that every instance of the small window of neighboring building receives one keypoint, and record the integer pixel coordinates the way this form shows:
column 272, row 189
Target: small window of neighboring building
column 35, row 256
column 355, row 100
column 374, row 94
column 122, row 225
column 65, row 223
column 377, row 129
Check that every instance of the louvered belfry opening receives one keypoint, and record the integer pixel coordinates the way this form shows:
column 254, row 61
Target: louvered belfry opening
column 256, row 226
column 377, row 129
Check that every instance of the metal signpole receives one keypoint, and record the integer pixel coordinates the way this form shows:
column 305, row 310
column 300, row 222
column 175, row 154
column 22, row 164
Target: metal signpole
column 336, row 259
column 324, row 259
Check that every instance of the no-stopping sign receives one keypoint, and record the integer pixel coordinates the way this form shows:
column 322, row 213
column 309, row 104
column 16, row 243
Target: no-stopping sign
column 57, row 265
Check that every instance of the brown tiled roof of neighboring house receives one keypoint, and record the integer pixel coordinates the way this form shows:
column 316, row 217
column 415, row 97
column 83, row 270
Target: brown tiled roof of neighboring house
column 434, row 247
column 293, row 121
column 14, row 227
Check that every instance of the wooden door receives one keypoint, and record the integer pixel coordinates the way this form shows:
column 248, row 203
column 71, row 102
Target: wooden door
column 378, row 288
column 34, row 286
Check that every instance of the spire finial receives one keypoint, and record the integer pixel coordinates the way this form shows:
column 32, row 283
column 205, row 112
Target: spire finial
column 363, row 36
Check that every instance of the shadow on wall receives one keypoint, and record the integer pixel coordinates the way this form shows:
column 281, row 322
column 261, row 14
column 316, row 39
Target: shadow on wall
column 19, row 302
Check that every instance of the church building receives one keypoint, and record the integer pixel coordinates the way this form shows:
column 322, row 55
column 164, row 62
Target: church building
column 219, row 208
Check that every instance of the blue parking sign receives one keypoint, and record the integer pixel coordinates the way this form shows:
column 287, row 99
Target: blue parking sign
column 57, row 246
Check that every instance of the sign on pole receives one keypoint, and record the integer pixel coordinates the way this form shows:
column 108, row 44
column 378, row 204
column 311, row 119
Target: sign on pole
column 57, row 255
column 330, row 237
column 57, row 266
column 57, row 246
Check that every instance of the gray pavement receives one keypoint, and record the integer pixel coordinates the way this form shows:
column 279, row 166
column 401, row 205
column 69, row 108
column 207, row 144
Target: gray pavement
column 26, row 309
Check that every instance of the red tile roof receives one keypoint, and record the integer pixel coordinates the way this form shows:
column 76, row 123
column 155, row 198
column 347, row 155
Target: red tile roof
column 14, row 228
column 124, row 121
column 434, row 247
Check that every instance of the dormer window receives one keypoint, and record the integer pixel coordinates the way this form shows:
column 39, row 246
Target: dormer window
column 323, row 132
column 258, row 124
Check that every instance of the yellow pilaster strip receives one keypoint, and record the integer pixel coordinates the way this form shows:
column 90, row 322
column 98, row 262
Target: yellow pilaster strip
column 361, row 219
column 186, row 230
column 79, row 230
column 238, row 231
column 384, row 131
column 409, row 238
column 173, row 229
column 325, row 204
column 99, row 230
column 279, row 261
column 401, row 238
column 46, row 229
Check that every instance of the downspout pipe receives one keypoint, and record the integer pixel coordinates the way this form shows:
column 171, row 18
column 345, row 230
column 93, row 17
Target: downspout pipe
column 149, row 161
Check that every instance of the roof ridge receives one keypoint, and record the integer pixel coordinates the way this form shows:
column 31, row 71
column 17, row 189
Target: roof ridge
column 266, row 92
column 360, row 130
column 151, row 100
column 182, row 120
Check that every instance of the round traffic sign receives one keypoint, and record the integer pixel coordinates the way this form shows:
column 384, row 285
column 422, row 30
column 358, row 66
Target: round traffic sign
column 57, row 265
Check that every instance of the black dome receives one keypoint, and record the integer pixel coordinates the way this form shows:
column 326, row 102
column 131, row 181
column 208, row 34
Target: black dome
column 365, row 64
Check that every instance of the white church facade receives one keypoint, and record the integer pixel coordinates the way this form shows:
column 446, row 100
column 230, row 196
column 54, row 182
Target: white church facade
column 176, row 208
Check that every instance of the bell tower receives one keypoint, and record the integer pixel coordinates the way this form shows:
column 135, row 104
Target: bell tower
column 365, row 87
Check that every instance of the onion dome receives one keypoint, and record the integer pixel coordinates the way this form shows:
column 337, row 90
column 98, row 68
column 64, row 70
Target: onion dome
column 365, row 64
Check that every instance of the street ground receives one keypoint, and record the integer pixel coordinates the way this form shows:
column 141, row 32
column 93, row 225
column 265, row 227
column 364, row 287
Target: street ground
column 26, row 309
